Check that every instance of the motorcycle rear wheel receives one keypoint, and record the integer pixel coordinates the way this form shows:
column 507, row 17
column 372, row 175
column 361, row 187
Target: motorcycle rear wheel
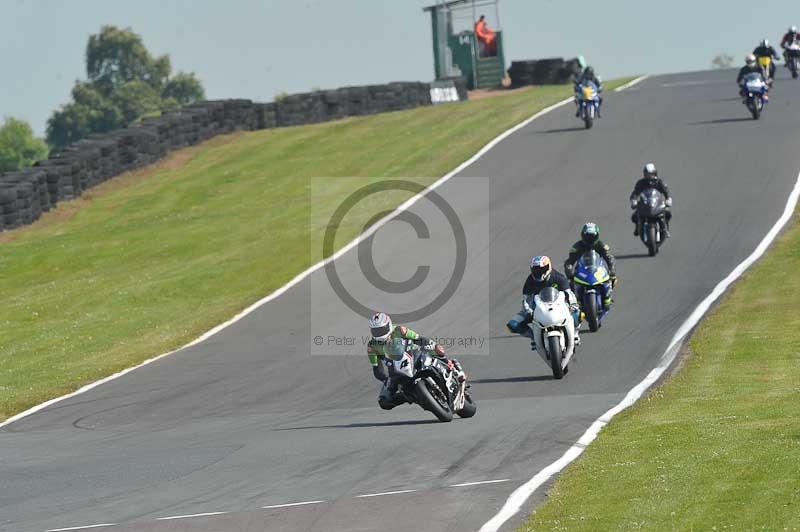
column 427, row 400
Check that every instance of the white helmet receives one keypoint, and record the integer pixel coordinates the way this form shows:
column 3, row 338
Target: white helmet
column 649, row 170
column 793, row 29
column 380, row 325
column 749, row 60
column 765, row 42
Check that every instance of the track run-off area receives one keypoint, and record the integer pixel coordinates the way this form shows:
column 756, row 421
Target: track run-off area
column 246, row 431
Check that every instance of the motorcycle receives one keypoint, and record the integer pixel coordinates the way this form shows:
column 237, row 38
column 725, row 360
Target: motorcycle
column 592, row 283
column 553, row 330
column 756, row 93
column 792, row 57
column 651, row 209
column 765, row 62
column 428, row 380
column 589, row 101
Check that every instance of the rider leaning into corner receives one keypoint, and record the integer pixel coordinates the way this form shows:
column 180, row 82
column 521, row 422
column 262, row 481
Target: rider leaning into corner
column 543, row 276
column 650, row 179
column 585, row 76
column 383, row 331
column 764, row 49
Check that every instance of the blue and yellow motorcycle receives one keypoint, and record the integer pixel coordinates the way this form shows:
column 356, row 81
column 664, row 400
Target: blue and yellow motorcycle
column 593, row 289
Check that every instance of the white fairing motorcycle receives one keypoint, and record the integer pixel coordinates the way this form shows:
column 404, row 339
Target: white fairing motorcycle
column 553, row 330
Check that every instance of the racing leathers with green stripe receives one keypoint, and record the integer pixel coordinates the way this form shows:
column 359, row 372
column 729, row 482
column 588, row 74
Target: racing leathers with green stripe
column 388, row 397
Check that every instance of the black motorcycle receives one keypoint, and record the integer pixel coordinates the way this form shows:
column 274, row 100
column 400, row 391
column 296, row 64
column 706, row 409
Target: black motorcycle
column 651, row 214
column 428, row 380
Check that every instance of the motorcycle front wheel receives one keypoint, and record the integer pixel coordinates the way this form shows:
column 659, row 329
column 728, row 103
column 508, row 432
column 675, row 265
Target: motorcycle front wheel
column 469, row 407
column 591, row 313
column 652, row 243
column 554, row 348
column 434, row 400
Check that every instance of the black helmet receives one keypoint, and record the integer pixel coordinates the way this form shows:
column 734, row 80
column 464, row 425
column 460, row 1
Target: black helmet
column 589, row 71
column 649, row 170
column 590, row 233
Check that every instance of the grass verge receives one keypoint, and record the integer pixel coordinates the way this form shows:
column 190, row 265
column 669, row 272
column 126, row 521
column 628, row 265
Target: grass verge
column 717, row 447
column 148, row 261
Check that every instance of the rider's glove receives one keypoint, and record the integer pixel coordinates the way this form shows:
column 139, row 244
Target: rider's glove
column 527, row 306
column 669, row 202
column 634, row 203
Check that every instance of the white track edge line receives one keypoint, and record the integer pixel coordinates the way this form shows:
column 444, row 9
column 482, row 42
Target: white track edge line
column 289, row 504
column 187, row 516
column 382, row 493
column 518, row 497
column 301, row 276
column 80, row 527
column 632, row 83
column 478, row 483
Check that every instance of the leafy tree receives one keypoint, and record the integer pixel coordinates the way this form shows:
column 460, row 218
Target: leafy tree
column 18, row 147
column 125, row 82
column 722, row 61
column 184, row 88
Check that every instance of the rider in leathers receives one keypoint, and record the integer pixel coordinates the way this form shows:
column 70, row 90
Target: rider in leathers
column 383, row 331
column 766, row 50
column 590, row 239
column 543, row 276
column 585, row 76
column 650, row 179
column 791, row 36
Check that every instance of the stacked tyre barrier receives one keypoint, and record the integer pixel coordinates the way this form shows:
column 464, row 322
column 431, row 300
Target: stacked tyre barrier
column 554, row 71
column 26, row 194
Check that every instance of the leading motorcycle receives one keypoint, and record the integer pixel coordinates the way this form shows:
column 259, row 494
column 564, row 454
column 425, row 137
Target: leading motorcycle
column 588, row 98
column 651, row 214
column 553, row 330
column 756, row 92
column 592, row 283
column 428, row 380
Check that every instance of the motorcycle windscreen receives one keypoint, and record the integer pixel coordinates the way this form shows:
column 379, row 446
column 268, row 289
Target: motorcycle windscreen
column 548, row 295
column 395, row 349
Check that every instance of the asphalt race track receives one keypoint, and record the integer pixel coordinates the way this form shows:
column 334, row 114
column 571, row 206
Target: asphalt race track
column 248, row 419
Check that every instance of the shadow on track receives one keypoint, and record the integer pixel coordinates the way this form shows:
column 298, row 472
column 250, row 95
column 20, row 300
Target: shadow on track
column 367, row 425
column 627, row 256
column 722, row 121
column 731, row 99
column 561, row 130
column 533, row 378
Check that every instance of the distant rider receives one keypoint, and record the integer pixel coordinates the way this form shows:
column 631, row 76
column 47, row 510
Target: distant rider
column 766, row 50
column 790, row 37
column 584, row 77
column 383, row 331
column 543, row 276
column 650, row 179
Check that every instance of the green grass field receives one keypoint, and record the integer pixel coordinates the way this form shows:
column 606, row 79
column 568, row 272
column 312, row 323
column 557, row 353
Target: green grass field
column 147, row 262
column 717, row 447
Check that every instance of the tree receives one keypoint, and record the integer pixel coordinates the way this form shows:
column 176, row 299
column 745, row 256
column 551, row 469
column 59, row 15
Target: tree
column 125, row 82
column 184, row 89
column 18, row 147
column 722, row 61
